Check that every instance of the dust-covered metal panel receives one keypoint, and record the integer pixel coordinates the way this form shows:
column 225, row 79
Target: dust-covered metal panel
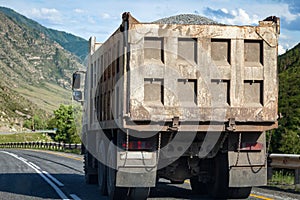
column 197, row 72
column 233, row 68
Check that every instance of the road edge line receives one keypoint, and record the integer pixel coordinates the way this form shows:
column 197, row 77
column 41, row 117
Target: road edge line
column 60, row 193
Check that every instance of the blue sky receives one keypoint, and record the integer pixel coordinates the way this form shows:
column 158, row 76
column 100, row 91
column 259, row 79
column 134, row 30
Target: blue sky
column 100, row 18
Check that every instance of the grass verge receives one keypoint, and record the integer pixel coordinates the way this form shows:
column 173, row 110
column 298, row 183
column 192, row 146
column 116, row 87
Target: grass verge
column 25, row 137
column 284, row 180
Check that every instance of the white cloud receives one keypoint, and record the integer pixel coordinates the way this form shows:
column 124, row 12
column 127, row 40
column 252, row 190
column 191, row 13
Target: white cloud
column 79, row 11
column 225, row 10
column 234, row 17
column 91, row 20
column 241, row 17
column 281, row 49
column 105, row 16
column 285, row 12
column 50, row 14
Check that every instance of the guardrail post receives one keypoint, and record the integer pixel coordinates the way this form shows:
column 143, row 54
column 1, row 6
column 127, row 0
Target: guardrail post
column 269, row 173
column 269, row 169
column 297, row 176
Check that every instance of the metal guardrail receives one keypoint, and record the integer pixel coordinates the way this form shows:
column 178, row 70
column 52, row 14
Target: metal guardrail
column 43, row 145
column 28, row 131
column 285, row 161
column 276, row 161
column 288, row 161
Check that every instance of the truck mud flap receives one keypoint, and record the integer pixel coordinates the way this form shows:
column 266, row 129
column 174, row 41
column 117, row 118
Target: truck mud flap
column 131, row 177
column 136, row 169
column 247, row 176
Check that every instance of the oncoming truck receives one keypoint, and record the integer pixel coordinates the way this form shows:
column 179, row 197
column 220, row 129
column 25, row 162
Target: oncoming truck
column 179, row 101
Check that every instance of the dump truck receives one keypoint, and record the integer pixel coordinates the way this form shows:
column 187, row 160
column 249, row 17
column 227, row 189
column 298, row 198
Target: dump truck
column 179, row 100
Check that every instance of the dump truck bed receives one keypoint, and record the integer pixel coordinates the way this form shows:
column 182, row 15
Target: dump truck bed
column 196, row 72
column 203, row 72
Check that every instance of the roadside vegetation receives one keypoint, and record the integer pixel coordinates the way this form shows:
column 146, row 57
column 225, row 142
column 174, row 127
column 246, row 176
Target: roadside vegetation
column 65, row 120
column 283, row 179
column 286, row 139
column 25, row 137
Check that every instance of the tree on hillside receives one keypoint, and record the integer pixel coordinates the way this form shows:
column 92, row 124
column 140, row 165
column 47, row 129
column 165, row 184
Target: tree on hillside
column 285, row 139
column 35, row 123
column 63, row 121
column 290, row 142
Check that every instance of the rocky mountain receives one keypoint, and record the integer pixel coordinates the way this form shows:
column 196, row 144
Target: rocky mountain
column 76, row 45
column 36, row 64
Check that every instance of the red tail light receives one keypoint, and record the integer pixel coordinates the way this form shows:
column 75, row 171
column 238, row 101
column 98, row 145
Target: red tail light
column 254, row 146
column 138, row 145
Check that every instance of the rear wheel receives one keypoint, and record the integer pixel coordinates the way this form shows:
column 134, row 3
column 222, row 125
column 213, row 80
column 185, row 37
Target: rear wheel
column 102, row 178
column 198, row 187
column 114, row 192
column 89, row 172
column 219, row 188
column 239, row 192
column 139, row 193
column 177, row 182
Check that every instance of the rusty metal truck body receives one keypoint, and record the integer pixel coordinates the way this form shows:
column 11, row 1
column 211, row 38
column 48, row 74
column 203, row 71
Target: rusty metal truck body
column 180, row 102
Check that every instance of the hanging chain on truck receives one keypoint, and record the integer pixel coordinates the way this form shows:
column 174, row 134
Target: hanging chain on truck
column 158, row 151
column 266, row 154
column 268, row 148
column 239, row 149
column 127, row 147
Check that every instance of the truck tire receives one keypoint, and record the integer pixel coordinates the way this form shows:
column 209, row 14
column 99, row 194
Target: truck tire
column 139, row 193
column 114, row 192
column 198, row 187
column 90, row 178
column 220, row 189
column 239, row 192
column 102, row 178
column 177, row 182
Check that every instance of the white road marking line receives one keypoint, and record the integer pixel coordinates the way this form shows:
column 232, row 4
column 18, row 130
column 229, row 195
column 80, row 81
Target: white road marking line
column 57, row 190
column 34, row 165
column 12, row 154
column 60, row 184
column 22, row 159
column 75, row 197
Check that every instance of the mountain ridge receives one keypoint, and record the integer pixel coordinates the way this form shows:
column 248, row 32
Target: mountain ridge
column 35, row 68
column 74, row 44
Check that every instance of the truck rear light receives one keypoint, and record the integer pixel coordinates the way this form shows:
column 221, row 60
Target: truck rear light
column 254, row 146
column 138, row 145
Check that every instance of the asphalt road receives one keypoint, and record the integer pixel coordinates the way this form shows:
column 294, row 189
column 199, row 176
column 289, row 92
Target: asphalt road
column 29, row 174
